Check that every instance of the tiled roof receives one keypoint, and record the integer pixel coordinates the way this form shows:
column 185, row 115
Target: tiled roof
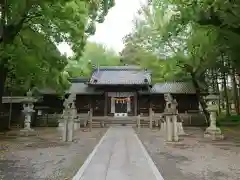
column 82, row 88
column 174, row 88
column 78, row 80
column 17, row 99
column 47, row 91
column 118, row 75
column 121, row 68
column 76, row 88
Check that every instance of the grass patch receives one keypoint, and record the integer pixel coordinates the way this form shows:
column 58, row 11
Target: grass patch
column 233, row 120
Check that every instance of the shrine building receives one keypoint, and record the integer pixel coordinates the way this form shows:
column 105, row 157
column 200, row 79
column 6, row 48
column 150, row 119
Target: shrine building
column 121, row 91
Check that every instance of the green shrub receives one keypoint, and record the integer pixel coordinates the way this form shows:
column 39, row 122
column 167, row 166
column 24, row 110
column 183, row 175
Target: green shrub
column 230, row 120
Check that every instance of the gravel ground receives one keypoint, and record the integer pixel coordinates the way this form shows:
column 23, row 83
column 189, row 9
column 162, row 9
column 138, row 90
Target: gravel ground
column 45, row 157
column 194, row 158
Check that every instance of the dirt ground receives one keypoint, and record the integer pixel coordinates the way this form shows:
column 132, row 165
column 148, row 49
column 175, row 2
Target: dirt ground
column 45, row 157
column 194, row 157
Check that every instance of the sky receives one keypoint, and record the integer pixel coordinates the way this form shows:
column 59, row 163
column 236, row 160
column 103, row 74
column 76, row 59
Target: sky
column 117, row 24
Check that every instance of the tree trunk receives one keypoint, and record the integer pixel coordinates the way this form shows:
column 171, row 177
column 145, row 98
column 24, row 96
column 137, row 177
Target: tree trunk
column 3, row 76
column 199, row 97
column 238, row 87
column 235, row 92
column 217, row 90
column 226, row 94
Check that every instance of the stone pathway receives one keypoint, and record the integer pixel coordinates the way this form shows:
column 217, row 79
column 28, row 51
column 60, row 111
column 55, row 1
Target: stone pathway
column 119, row 155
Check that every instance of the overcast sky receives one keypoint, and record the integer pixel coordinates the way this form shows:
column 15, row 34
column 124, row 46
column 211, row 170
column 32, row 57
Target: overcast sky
column 117, row 24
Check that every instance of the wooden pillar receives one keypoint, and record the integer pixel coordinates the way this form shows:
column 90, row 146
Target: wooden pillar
column 135, row 104
column 150, row 118
column 90, row 119
column 138, row 123
column 105, row 104
column 105, row 107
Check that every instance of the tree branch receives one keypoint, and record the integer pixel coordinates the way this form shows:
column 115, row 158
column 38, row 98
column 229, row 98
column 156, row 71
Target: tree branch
column 29, row 18
column 3, row 16
column 11, row 31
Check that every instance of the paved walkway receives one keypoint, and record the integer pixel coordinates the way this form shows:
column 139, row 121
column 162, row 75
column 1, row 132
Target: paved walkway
column 119, row 155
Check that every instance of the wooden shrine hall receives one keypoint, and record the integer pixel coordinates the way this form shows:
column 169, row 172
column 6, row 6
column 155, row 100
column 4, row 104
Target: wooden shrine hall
column 112, row 91
column 121, row 91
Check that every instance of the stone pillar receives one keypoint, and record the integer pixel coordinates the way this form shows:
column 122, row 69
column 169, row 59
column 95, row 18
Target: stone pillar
column 156, row 120
column 76, row 124
column 174, row 126
column 102, row 124
column 65, row 129
column 61, row 122
column 168, row 128
column 70, row 128
column 60, row 125
column 180, row 127
column 163, row 126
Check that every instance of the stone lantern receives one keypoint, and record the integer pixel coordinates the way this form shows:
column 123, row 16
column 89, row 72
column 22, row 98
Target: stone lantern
column 28, row 110
column 213, row 131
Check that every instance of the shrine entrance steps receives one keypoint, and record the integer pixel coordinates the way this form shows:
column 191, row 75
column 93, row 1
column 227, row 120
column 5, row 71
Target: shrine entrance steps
column 119, row 155
column 108, row 120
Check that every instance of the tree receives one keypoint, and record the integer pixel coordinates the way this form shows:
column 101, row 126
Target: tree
column 94, row 55
column 186, row 49
column 222, row 16
column 28, row 69
column 200, row 37
column 55, row 21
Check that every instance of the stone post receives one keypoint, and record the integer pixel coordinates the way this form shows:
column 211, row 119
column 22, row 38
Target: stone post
column 175, row 130
column 180, row 127
column 150, row 118
column 65, row 125
column 60, row 123
column 181, row 131
column 168, row 128
column 156, row 120
column 76, row 120
column 102, row 124
column 70, row 128
column 163, row 126
column 77, row 124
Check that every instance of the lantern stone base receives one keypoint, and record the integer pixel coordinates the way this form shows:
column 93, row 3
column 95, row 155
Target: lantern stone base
column 214, row 133
column 27, row 132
